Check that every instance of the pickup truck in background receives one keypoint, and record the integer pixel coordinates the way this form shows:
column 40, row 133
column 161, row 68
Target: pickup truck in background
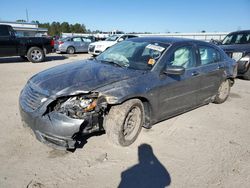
column 32, row 48
column 237, row 46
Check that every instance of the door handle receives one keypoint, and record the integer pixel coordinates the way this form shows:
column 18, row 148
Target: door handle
column 195, row 73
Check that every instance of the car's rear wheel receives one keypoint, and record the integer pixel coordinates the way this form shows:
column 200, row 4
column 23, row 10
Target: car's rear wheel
column 223, row 92
column 246, row 75
column 35, row 55
column 70, row 50
column 124, row 122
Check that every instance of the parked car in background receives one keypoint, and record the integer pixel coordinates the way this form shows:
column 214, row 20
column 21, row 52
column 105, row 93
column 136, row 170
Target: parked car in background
column 135, row 83
column 237, row 46
column 102, row 35
column 32, row 48
column 72, row 45
column 98, row 47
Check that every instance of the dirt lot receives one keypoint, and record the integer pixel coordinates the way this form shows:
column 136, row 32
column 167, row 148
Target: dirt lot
column 207, row 147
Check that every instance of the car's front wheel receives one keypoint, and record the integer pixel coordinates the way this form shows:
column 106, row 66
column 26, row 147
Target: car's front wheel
column 35, row 55
column 223, row 92
column 124, row 122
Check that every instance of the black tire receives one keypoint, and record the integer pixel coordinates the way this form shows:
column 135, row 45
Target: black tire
column 223, row 92
column 35, row 55
column 246, row 75
column 70, row 50
column 124, row 122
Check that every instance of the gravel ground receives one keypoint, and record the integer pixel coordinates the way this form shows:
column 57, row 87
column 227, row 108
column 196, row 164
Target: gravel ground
column 206, row 147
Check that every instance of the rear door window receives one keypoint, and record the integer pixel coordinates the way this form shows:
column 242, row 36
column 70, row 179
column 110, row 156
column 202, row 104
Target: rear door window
column 208, row 55
column 86, row 40
column 77, row 39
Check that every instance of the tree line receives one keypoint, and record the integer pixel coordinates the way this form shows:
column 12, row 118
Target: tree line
column 56, row 28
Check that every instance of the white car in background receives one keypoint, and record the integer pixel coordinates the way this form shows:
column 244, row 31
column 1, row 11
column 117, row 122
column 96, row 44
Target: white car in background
column 96, row 48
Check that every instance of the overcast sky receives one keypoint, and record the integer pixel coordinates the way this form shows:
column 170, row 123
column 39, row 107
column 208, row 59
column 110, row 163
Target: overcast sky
column 136, row 15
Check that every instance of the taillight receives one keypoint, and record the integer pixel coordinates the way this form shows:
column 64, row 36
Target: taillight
column 52, row 43
column 60, row 42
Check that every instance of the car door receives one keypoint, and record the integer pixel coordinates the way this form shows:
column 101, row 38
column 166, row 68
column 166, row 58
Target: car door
column 78, row 44
column 178, row 93
column 8, row 42
column 211, row 68
column 85, row 45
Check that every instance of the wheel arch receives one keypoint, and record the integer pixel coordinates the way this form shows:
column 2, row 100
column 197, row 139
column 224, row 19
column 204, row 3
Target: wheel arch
column 70, row 46
column 31, row 46
column 148, row 110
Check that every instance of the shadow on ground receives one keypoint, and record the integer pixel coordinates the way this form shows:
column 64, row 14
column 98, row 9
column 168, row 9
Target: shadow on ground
column 149, row 172
column 81, row 140
column 20, row 60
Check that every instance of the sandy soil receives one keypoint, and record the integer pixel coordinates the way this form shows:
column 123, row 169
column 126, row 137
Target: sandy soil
column 206, row 147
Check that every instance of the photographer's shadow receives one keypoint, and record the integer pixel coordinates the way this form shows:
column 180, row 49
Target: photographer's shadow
column 148, row 173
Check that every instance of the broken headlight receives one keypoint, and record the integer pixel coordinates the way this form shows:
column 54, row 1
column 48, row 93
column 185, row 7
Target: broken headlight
column 76, row 106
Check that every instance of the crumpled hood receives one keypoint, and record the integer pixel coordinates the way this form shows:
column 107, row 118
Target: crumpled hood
column 87, row 75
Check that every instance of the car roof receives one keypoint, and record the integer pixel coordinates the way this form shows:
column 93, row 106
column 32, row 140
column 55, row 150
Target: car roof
column 129, row 35
column 238, row 32
column 167, row 40
column 4, row 25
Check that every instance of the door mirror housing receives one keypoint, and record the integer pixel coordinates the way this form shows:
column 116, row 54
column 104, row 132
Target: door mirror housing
column 174, row 70
column 120, row 39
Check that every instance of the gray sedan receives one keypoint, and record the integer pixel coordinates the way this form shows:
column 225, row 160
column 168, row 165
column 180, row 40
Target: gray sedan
column 137, row 82
column 71, row 45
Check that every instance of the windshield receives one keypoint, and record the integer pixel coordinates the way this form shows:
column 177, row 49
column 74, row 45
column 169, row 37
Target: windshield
column 240, row 38
column 112, row 38
column 134, row 55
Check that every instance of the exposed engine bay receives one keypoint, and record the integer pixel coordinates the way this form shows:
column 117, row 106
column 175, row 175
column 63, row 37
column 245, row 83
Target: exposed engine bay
column 78, row 106
column 85, row 107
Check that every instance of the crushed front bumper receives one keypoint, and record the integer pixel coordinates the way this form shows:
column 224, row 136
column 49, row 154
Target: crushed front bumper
column 57, row 130
column 53, row 129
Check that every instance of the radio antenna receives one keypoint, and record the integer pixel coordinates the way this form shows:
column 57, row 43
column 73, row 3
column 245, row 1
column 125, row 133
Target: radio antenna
column 27, row 15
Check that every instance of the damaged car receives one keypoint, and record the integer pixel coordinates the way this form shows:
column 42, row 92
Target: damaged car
column 135, row 83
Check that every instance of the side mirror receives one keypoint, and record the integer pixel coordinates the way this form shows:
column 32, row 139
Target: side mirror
column 120, row 39
column 174, row 70
column 216, row 42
